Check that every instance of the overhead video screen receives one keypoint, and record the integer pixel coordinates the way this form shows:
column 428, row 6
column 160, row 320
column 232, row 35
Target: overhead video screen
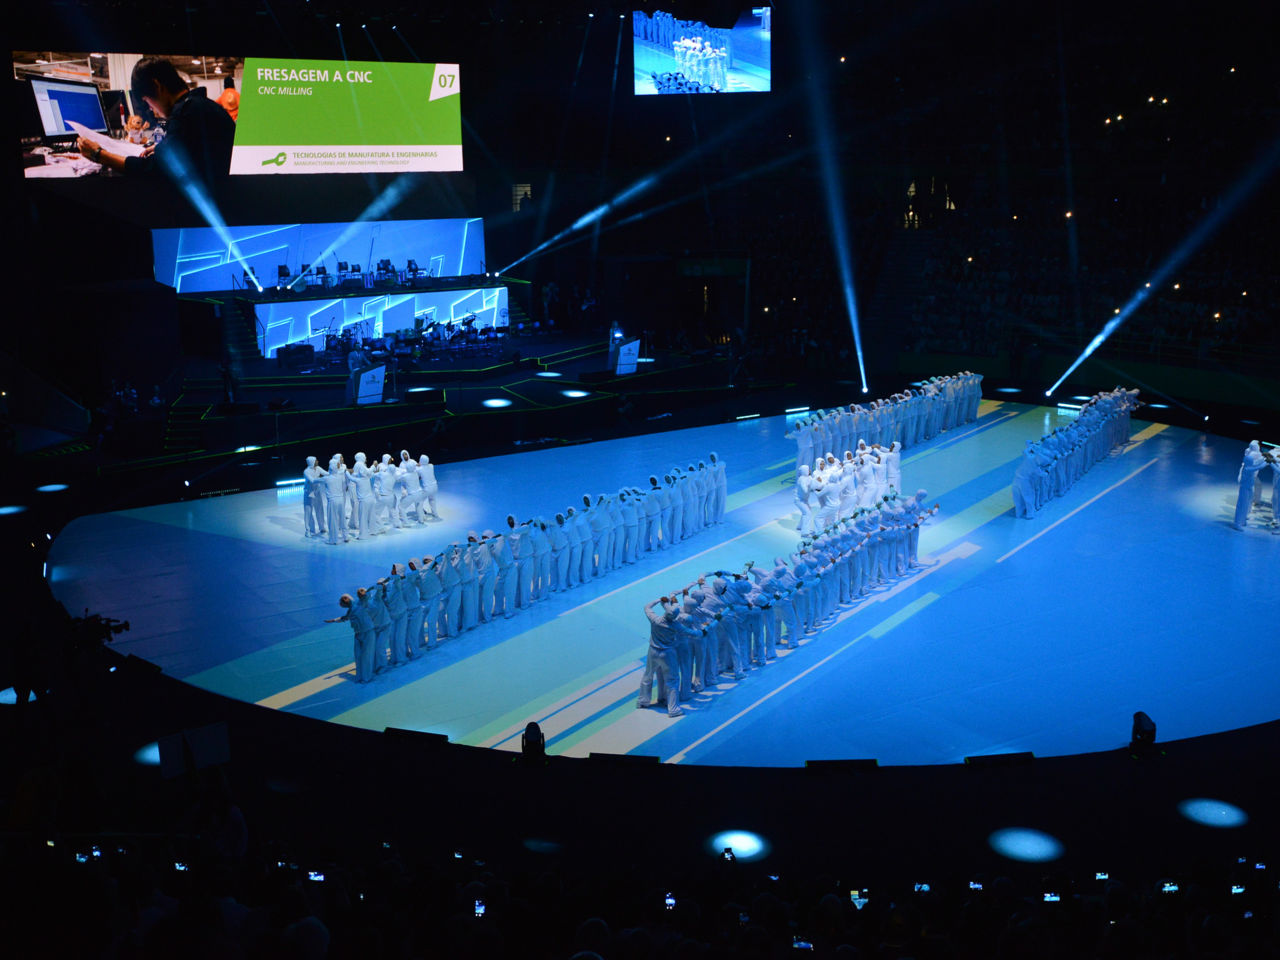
column 672, row 55
column 232, row 115
column 348, row 116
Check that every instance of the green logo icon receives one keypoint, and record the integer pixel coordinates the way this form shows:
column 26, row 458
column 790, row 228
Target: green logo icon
column 278, row 159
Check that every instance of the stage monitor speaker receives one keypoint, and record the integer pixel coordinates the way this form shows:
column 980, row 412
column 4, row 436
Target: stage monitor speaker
column 1000, row 760
column 424, row 395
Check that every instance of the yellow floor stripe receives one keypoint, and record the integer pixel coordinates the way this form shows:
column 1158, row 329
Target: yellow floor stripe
column 284, row 698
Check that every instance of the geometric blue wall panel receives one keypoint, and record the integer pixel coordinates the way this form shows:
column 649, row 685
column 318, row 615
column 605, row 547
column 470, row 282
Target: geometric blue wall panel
column 309, row 321
column 197, row 259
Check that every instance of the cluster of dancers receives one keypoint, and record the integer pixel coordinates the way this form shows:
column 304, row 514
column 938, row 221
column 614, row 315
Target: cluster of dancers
column 908, row 418
column 1053, row 463
column 494, row 575
column 727, row 623
column 837, row 489
column 366, row 500
column 1250, row 496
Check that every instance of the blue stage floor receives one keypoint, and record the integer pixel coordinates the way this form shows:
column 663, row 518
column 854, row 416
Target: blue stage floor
column 1131, row 593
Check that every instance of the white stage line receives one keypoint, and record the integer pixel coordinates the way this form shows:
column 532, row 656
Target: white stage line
column 1097, row 496
column 677, row 757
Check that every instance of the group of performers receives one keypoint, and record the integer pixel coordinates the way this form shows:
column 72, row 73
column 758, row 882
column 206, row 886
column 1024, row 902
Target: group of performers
column 494, row 575
column 727, row 623
column 836, row 488
column 1255, row 460
column 1052, row 464
column 909, row 418
column 364, row 501
column 703, row 54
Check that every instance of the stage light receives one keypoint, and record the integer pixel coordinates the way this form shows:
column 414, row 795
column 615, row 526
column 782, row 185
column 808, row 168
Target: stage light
column 1026, row 845
column 1158, row 406
column 574, row 394
column 1119, row 117
column 148, row 755
column 796, row 410
column 11, row 509
column 1148, row 285
column 186, row 483
column 1151, row 99
column 549, row 373
column 1213, row 813
column 1008, row 390
column 747, row 416
column 292, row 482
column 497, row 402
column 969, row 260
column 1068, row 214
column 1220, row 213
column 744, row 844
column 1108, row 120
column 1217, row 316
column 9, row 697
column 1206, row 418
column 866, row 389
column 51, row 488
column 1165, row 100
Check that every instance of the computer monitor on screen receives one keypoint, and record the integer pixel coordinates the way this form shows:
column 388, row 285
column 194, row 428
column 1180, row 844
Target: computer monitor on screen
column 58, row 101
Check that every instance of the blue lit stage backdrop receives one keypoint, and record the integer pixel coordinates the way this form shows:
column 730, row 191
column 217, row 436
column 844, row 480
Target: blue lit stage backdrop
column 310, row 321
column 199, row 259
column 688, row 56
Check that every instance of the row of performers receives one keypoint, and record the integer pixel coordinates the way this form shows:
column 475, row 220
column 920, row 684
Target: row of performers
column 1052, row 464
column 910, row 417
column 493, row 575
column 725, row 624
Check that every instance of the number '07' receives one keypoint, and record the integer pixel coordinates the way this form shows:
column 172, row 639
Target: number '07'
column 446, row 79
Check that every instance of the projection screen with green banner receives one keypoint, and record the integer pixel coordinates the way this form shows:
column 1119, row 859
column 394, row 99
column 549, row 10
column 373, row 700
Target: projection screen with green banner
column 347, row 116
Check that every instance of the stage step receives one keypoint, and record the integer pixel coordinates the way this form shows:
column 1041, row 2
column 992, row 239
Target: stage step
column 182, row 427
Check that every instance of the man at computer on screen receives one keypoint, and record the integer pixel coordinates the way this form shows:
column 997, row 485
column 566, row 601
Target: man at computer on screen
column 198, row 135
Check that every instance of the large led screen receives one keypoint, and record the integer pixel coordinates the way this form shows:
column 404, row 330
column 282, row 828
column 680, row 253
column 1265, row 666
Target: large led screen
column 317, row 116
column 235, row 115
column 688, row 56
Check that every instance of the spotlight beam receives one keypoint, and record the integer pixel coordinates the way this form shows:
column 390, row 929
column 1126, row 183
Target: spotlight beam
column 1222, row 212
column 382, row 204
column 180, row 170
column 645, row 183
column 820, row 113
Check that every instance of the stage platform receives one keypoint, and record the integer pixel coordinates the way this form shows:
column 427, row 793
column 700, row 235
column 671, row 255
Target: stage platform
column 1131, row 593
